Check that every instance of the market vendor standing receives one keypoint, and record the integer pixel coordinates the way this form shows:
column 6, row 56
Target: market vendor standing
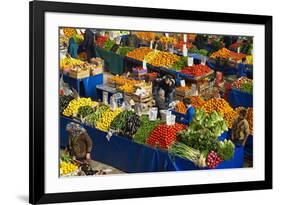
column 79, row 142
column 190, row 112
column 242, row 69
column 168, row 85
column 240, row 128
column 72, row 49
column 88, row 44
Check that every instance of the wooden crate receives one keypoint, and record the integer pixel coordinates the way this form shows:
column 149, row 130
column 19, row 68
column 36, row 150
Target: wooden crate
column 83, row 73
column 148, row 87
column 203, row 76
column 183, row 93
column 141, row 99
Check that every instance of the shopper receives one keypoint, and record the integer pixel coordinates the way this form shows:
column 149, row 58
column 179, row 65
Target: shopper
column 160, row 100
column 168, row 85
column 240, row 128
column 190, row 112
column 88, row 44
column 79, row 142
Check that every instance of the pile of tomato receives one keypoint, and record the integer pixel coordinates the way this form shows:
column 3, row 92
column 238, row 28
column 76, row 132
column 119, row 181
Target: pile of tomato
column 164, row 135
column 196, row 70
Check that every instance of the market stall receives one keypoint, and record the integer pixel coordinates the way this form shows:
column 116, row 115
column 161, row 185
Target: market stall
column 131, row 157
column 153, row 102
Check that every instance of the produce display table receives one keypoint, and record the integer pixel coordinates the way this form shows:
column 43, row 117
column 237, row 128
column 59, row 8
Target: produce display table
column 113, row 62
column 237, row 98
column 105, row 88
column 132, row 157
column 178, row 75
column 86, row 87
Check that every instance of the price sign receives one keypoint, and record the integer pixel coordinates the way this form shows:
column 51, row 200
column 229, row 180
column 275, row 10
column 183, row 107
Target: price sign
column 203, row 60
column 167, row 34
column 78, row 31
column 185, row 38
column 194, row 89
column 109, row 134
column 61, row 32
column 153, row 113
column 190, row 61
column 144, row 65
column 170, row 119
column 105, row 97
column 172, row 50
column 151, row 43
column 238, row 50
column 182, row 82
column 184, row 51
column 102, row 33
column 118, row 40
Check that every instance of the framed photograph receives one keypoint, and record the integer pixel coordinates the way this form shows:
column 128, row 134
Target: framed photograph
column 132, row 102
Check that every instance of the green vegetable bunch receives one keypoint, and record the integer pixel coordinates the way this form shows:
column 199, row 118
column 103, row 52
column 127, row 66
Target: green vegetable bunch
column 203, row 52
column 84, row 111
column 203, row 131
column 120, row 120
column 108, row 44
column 95, row 116
column 145, row 129
column 123, row 50
column 180, row 64
column 225, row 149
column 193, row 50
column 247, row 87
column 184, row 151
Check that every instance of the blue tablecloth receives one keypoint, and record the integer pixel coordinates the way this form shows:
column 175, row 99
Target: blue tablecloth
column 236, row 98
column 248, row 150
column 132, row 157
column 216, row 66
column 86, row 87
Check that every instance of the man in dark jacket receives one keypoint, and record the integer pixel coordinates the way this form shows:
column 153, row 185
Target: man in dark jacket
column 79, row 142
column 88, row 44
column 168, row 85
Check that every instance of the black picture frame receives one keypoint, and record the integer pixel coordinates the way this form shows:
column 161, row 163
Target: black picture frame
column 37, row 10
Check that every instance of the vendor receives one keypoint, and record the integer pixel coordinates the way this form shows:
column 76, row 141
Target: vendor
column 156, row 44
column 168, row 85
column 88, row 44
column 240, row 128
column 190, row 112
column 242, row 69
column 72, row 49
column 79, row 142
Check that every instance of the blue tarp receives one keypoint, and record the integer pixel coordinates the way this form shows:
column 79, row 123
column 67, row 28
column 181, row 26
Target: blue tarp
column 132, row 157
column 236, row 98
